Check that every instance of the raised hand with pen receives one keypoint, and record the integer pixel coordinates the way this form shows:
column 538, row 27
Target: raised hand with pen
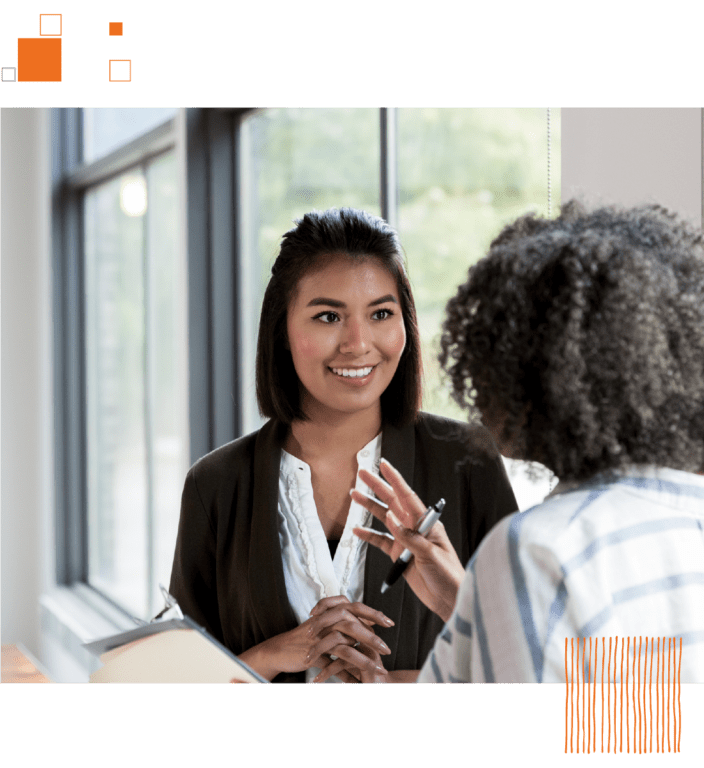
column 435, row 571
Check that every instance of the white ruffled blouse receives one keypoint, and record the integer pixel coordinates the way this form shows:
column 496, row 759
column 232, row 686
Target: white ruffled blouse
column 309, row 570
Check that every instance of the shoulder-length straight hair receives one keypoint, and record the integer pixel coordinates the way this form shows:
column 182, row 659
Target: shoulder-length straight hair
column 358, row 236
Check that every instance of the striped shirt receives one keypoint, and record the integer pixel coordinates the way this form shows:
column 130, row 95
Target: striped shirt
column 610, row 557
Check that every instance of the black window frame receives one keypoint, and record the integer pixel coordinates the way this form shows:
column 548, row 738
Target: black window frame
column 205, row 140
column 209, row 146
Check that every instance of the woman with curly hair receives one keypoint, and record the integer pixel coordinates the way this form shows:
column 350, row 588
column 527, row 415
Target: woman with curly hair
column 579, row 342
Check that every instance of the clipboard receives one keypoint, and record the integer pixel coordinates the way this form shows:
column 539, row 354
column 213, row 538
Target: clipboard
column 172, row 648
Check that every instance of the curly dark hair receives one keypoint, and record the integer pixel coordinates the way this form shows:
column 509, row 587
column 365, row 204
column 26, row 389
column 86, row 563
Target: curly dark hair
column 587, row 333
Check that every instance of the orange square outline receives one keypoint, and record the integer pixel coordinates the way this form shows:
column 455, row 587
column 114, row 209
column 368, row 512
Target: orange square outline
column 117, row 25
column 110, row 61
column 61, row 24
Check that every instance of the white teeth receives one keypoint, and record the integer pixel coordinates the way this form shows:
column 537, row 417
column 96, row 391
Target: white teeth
column 353, row 372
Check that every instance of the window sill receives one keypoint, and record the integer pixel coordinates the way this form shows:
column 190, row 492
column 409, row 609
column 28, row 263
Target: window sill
column 69, row 617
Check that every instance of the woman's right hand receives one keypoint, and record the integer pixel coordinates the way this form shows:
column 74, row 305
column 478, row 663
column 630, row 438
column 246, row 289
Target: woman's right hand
column 335, row 626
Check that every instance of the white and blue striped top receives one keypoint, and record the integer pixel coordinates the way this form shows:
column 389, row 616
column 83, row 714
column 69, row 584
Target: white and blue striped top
column 620, row 557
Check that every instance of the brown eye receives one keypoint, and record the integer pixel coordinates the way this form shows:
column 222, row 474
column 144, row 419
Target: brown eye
column 327, row 317
column 382, row 314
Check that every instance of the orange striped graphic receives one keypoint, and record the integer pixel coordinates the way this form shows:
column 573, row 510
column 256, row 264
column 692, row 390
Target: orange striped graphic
column 634, row 690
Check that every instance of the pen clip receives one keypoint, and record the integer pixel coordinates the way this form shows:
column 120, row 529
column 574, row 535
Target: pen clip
column 437, row 507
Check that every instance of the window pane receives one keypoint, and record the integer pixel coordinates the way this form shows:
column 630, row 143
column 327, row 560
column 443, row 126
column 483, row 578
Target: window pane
column 136, row 366
column 115, row 366
column 295, row 160
column 106, row 129
column 463, row 174
column 168, row 353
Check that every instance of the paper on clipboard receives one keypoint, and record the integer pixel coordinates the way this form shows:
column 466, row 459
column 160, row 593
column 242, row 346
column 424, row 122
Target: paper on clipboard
column 174, row 650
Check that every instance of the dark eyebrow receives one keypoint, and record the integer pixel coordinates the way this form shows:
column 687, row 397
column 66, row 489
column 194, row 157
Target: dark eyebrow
column 322, row 301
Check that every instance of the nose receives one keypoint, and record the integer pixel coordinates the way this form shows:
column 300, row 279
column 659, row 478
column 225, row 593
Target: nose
column 355, row 338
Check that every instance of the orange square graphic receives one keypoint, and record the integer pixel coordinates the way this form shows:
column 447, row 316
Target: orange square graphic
column 60, row 15
column 129, row 79
column 38, row 59
column 115, row 27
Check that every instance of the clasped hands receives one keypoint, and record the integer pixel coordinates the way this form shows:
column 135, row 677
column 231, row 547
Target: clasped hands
column 336, row 628
column 341, row 629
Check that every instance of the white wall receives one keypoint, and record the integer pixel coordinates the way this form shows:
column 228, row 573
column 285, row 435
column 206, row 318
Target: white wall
column 626, row 156
column 632, row 156
column 25, row 364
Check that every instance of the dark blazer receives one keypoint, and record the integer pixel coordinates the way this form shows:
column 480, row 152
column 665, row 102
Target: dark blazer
column 227, row 572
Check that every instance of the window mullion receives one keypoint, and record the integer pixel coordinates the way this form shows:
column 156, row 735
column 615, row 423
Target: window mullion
column 148, row 373
column 69, row 362
column 549, row 151
column 388, row 195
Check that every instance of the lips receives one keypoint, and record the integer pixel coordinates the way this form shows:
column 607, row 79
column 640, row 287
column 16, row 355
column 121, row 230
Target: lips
column 354, row 375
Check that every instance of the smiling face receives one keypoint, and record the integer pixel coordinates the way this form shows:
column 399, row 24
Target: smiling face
column 346, row 335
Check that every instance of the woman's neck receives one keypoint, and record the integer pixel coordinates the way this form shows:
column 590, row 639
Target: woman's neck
column 333, row 434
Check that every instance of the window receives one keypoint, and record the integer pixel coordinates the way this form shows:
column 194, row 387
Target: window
column 462, row 175
column 137, row 439
column 166, row 224
column 107, row 130
column 294, row 161
column 131, row 368
column 450, row 179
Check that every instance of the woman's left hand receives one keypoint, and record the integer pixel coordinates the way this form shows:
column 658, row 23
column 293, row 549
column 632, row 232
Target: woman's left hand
column 435, row 572
column 351, row 664
column 348, row 672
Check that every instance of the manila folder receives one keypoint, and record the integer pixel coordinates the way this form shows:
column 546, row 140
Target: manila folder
column 173, row 656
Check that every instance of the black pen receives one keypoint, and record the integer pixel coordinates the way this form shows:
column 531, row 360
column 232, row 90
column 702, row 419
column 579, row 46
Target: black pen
column 426, row 523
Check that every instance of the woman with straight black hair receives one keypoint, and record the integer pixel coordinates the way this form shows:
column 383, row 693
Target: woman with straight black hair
column 265, row 558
